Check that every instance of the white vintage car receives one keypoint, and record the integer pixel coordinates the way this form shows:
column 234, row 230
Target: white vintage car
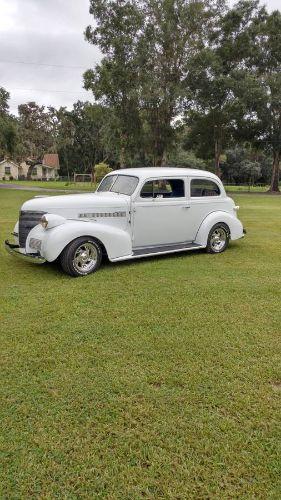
column 134, row 213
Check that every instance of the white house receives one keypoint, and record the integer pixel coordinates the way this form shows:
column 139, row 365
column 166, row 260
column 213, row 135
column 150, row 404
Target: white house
column 9, row 169
column 46, row 170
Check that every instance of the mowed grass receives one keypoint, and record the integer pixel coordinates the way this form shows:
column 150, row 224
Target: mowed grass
column 157, row 378
column 62, row 185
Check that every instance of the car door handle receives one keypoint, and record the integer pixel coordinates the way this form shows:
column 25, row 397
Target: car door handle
column 186, row 206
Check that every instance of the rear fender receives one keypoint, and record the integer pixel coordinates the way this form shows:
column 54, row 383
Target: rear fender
column 117, row 242
column 234, row 224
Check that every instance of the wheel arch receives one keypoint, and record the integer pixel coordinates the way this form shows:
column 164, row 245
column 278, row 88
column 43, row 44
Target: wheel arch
column 97, row 240
column 234, row 225
column 114, row 241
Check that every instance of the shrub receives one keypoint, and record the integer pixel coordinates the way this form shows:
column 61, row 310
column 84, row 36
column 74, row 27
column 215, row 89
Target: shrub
column 100, row 170
column 11, row 178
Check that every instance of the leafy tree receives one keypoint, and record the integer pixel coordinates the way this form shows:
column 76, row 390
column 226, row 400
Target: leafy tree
column 173, row 31
column 8, row 131
column 261, row 90
column 4, row 101
column 114, row 80
column 82, row 136
column 146, row 45
column 212, row 107
column 244, row 164
column 35, row 133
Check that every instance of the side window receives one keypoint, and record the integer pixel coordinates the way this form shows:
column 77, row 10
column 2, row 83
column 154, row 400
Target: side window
column 7, row 170
column 163, row 188
column 204, row 187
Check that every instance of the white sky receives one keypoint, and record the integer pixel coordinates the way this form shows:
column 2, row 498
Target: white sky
column 48, row 32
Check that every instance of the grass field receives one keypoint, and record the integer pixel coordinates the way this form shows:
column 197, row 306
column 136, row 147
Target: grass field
column 87, row 186
column 158, row 378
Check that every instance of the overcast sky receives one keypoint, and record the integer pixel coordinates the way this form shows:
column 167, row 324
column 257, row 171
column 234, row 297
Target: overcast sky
column 48, row 32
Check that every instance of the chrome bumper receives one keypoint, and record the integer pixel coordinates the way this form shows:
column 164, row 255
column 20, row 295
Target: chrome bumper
column 14, row 250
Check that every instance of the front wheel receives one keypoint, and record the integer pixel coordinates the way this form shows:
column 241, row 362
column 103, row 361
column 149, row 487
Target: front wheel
column 218, row 238
column 81, row 257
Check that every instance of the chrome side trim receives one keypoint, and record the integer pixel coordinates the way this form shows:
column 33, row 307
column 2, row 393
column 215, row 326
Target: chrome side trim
column 28, row 257
column 164, row 248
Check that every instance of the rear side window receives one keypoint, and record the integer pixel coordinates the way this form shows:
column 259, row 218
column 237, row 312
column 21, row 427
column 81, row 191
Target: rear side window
column 204, row 187
column 163, row 188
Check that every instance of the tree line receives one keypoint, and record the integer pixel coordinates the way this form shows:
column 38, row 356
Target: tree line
column 186, row 83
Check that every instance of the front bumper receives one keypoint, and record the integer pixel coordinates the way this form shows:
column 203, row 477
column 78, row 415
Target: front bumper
column 14, row 250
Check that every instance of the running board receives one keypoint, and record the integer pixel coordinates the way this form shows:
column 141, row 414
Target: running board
column 138, row 252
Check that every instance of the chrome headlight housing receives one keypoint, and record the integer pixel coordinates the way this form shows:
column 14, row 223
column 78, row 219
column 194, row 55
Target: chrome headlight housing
column 48, row 221
column 44, row 222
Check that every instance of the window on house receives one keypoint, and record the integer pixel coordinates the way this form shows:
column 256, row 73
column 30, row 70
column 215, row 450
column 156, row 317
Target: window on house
column 8, row 170
column 163, row 188
column 34, row 171
column 204, row 187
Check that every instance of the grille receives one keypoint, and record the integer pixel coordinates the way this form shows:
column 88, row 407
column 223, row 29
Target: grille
column 27, row 220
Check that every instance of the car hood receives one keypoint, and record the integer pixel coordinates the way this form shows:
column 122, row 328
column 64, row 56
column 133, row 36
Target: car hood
column 72, row 205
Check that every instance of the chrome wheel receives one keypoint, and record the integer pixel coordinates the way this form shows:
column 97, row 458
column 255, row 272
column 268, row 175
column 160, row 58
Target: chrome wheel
column 85, row 258
column 218, row 239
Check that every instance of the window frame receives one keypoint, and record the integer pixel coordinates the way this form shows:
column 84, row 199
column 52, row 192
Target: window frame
column 7, row 170
column 163, row 200
column 204, row 197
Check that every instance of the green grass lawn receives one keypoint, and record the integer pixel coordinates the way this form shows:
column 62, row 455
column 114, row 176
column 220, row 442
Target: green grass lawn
column 158, row 378
column 245, row 189
column 87, row 186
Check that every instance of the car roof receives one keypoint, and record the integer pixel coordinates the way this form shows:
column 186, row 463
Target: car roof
column 147, row 172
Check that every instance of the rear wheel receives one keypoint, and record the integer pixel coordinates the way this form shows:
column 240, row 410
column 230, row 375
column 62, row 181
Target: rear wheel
column 81, row 257
column 218, row 238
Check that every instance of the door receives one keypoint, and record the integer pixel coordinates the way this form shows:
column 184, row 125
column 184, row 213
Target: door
column 161, row 213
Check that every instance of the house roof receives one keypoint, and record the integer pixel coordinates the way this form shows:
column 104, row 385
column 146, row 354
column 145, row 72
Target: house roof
column 9, row 161
column 51, row 160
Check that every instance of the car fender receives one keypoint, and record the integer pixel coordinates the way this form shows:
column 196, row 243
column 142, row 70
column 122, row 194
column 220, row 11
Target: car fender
column 116, row 241
column 234, row 224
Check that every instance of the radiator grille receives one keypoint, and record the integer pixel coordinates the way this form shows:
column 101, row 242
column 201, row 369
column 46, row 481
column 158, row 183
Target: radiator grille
column 27, row 220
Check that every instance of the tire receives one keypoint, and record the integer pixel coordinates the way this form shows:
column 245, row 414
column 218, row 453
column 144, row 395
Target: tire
column 218, row 239
column 81, row 257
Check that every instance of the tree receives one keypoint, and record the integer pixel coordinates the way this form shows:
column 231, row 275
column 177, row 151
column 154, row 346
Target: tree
column 8, row 132
column 212, row 107
column 114, row 80
column 146, row 46
column 261, row 92
column 173, row 31
column 4, row 98
column 35, row 132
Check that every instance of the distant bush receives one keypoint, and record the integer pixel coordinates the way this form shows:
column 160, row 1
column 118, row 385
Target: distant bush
column 100, row 170
column 186, row 159
column 11, row 178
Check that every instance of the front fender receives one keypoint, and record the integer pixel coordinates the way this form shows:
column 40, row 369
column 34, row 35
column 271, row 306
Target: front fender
column 234, row 224
column 116, row 241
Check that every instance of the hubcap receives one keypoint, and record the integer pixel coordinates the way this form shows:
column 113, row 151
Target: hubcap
column 218, row 239
column 85, row 258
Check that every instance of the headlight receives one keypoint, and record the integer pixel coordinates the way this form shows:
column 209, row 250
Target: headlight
column 48, row 221
column 35, row 243
column 44, row 222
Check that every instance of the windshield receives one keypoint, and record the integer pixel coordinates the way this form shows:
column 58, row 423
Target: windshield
column 121, row 184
